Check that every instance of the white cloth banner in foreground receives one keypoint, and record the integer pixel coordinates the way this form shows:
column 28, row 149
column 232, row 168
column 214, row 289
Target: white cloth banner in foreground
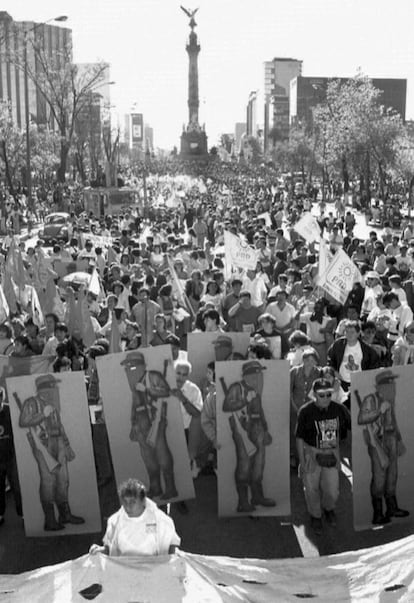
column 238, row 252
column 384, row 573
column 340, row 276
column 308, row 228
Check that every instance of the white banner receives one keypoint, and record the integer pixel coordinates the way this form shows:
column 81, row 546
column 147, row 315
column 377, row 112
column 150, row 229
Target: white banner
column 340, row 276
column 97, row 240
column 238, row 252
column 308, row 228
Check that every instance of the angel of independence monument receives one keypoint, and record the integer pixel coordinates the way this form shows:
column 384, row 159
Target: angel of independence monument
column 193, row 138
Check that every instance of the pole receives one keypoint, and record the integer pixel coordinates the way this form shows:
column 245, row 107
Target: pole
column 145, row 189
column 27, row 114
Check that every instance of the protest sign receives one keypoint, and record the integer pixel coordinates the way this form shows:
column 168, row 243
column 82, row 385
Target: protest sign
column 253, row 434
column 54, row 453
column 209, row 347
column 238, row 252
column 97, row 240
column 339, row 277
column 308, row 228
column 144, row 421
column 382, row 436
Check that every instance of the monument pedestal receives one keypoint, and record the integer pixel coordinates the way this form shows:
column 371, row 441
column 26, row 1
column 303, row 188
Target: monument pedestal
column 194, row 145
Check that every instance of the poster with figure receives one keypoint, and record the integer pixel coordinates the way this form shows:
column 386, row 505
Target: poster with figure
column 13, row 366
column 382, row 432
column 145, row 422
column 214, row 346
column 253, row 437
column 52, row 437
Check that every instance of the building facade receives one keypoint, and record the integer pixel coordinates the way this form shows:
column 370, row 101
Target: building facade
column 251, row 114
column 14, row 37
column 278, row 74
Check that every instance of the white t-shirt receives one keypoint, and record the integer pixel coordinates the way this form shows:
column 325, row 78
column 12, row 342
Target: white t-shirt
column 193, row 394
column 351, row 361
column 283, row 317
column 150, row 534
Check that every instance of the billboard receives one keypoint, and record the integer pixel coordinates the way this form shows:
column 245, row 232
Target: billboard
column 137, row 129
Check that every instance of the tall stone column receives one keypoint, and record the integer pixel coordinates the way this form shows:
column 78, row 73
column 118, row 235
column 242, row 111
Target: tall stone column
column 193, row 138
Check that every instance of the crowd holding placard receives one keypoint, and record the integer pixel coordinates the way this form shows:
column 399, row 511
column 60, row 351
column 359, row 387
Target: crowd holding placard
column 216, row 250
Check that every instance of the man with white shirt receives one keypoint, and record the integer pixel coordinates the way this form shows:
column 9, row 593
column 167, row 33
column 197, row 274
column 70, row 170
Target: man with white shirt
column 191, row 400
column 254, row 283
column 395, row 283
column 401, row 315
column 284, row 313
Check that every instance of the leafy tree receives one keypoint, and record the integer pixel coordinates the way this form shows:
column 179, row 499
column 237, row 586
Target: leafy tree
column 254, row 149
column 355, row 134
column 295, row 154
column 12, row 147
column 45, row 146
column 227, row 142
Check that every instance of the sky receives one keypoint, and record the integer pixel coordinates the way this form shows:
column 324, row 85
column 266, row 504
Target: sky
column 144, row 42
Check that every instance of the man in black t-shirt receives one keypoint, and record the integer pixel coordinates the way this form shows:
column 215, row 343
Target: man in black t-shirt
column 321, row 425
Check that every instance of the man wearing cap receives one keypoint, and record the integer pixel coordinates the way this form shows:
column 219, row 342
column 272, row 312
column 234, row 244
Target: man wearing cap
column 321, row 425
column 150, row 392
column 243, row 399
column 51, row 450
column 385, row 445
column 223, row 347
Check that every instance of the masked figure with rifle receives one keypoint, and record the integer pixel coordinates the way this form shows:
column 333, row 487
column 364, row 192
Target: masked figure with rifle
column 51, row 449
column 243, row 399
column 385, row 445
column 150, row 391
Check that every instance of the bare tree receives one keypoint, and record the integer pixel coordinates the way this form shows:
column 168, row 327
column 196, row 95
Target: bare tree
column 65, row 88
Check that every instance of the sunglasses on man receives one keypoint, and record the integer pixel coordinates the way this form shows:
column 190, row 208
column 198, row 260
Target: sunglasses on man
column 324, row 394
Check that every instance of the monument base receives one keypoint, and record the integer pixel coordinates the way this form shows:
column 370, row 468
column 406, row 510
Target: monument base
column 194, row 145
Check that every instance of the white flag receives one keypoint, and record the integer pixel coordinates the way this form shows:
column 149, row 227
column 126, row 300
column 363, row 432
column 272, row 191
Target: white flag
column 238, row 252
column 4, row 307
column 308, row 228
column 35, row 308
column 325, row 258
column 340, row 276
column 94, row 286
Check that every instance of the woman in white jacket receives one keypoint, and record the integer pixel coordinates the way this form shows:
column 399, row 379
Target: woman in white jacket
column 139, row 528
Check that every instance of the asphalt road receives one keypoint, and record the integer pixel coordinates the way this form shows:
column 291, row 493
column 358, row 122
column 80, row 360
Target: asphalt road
column 202, row 532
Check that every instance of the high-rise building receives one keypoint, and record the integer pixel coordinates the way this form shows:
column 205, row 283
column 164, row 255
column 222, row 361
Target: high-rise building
column 278, row 74
column 149, row 138
column 307, row 92
column 239, row 131
column 251, row 114
column 14, row 36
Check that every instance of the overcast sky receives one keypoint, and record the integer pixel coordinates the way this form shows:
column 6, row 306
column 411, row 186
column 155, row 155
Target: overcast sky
column 144, row 41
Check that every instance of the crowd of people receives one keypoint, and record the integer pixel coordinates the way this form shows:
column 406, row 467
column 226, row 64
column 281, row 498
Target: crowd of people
column 164, row 275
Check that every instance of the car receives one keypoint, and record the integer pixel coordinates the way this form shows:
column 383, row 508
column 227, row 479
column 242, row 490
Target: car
column 55, row 227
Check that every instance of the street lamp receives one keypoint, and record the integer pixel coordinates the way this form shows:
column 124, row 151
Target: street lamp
column 59, row 19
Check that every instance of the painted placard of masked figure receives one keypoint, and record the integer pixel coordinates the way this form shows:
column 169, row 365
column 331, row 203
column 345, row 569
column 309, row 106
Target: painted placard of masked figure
column 54, row 453
column 150, row 391
column 243, row 400
column 214, row 346
column 377, row 416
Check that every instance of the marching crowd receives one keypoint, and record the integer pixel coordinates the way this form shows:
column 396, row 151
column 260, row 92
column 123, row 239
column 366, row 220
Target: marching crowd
column 164, row 275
